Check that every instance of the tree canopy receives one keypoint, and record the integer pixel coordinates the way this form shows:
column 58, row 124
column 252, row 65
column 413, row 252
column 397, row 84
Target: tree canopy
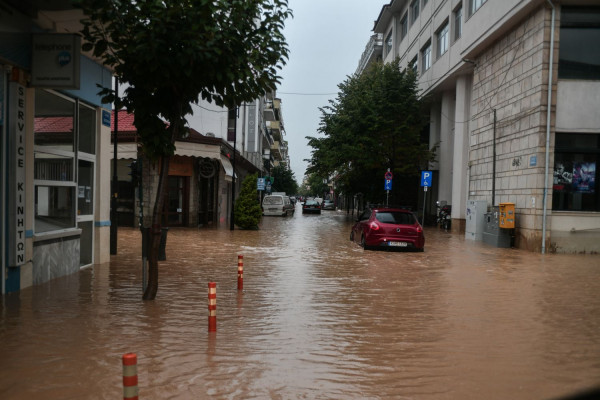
column 283, row 180
column 173, row 53
column 375, row 123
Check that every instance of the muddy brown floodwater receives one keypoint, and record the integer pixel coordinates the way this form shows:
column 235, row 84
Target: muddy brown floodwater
column 319, row 319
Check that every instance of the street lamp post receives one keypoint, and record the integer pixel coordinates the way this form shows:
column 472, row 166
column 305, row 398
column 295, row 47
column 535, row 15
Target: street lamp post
column 233, row 114
column 115, row 179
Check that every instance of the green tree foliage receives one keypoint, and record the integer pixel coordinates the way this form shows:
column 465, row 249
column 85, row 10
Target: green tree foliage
column 284, row 180
column 172, row 53
column 375, row 123
column 314, row 186
column 247, row 207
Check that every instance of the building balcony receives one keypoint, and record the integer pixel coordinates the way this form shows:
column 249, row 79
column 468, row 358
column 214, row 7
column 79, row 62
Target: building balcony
column 276, row 150
column 277, row 109
column 275, row 128
column 373, row 51
column 269, row 111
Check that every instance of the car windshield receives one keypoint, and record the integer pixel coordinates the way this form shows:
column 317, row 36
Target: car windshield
column 273, row 200
column 395, row 217
column 311, row 203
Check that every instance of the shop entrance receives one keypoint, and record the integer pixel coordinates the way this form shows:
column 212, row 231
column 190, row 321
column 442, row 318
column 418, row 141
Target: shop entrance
column 208, row 178
column 176, row 204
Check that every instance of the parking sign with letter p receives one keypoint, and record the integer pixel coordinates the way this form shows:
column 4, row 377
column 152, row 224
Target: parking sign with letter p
column 426, row 178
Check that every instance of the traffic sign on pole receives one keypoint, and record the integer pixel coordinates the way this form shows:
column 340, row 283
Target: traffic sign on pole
column 426, row 178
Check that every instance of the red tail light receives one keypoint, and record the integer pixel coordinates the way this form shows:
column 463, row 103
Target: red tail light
column 374, row 226
column 419, row 228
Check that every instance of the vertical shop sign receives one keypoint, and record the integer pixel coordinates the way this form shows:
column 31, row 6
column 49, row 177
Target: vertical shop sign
column 252, row 141
column 16, row 178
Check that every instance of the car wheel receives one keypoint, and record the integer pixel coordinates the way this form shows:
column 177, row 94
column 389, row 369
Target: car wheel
column 362, row 242
column 352, row 236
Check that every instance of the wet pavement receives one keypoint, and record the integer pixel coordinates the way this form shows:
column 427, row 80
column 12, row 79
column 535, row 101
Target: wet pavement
column 319, row 318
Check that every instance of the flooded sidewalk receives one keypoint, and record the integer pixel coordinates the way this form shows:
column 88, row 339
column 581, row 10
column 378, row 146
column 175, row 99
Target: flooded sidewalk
column 319, row 318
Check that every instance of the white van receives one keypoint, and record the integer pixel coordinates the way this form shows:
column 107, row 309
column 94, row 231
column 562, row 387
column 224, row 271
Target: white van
column 277, row 205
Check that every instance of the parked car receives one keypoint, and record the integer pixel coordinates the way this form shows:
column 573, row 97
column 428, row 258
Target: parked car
column 311, row 206
column 328, row 205
column 277, row 205
column 388, row 228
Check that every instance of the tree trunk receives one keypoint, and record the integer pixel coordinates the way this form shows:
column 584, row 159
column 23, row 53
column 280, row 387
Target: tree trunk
column 155, row 231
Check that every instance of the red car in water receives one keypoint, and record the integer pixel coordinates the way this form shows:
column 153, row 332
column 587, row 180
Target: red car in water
column 391, row 228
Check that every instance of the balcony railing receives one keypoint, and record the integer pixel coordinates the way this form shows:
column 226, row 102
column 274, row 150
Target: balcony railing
column 373, row 50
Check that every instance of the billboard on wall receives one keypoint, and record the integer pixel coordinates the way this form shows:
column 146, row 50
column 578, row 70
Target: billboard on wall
column 55, row 61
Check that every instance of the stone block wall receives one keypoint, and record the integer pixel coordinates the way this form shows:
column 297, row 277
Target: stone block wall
column 511, row 77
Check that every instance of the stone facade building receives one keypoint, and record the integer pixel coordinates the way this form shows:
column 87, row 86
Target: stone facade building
column 491, row 69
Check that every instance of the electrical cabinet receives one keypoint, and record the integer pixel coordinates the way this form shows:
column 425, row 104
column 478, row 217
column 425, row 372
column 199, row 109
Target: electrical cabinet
column 475, row 219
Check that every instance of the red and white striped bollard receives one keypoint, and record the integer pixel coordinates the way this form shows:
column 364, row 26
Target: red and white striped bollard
column 212, row 306
column 130, row 378
column 240, row 272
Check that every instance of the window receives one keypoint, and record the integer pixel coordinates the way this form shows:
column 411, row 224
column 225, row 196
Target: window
column 426, row 57
column 63, row 172
column 476, row 5
column 404, row 26
column 579, row 37
column 413, row 65
column 414, row 11
column 442, row 39
column 458, row 23
column 388, row 43
column 576, row 158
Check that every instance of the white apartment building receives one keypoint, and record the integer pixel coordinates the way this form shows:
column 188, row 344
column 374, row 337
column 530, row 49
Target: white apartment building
column 490, row 69
column 259, row 129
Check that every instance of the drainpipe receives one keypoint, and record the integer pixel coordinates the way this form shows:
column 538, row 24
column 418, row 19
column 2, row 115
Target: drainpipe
column 548, row 112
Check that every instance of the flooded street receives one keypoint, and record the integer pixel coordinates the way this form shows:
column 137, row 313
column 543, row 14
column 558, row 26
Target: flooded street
column 319, row 318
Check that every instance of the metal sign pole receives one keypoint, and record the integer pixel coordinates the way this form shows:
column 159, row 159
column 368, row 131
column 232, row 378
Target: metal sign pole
column 424, row 203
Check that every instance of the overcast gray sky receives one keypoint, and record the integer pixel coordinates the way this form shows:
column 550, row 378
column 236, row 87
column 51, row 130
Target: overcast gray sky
column 326, row 40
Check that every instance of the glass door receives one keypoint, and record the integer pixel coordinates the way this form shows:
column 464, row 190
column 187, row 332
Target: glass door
column 175, row 208
column 86, row 172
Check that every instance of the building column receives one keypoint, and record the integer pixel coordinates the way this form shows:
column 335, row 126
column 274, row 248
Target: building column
column 104, row 152
column 460, row 182
column 446, row 149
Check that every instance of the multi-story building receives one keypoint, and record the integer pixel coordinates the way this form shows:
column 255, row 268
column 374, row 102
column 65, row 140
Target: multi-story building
column 514, row 88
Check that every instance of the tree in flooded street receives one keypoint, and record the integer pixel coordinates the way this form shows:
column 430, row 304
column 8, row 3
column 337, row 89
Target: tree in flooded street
column 247, row 207
column 283, row 180
column 173, row 53
column 375, row 123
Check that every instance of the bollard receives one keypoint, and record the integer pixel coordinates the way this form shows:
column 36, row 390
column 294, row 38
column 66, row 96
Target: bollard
column 240, row 272
column 130, row 378
column 212, row 306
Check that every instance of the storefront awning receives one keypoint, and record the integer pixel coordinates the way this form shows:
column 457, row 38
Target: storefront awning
column 227, row 167
column 129, row 150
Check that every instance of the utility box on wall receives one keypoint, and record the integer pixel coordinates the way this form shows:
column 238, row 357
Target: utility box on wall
column 493, row 234
column 475, row 219
column 507, row 215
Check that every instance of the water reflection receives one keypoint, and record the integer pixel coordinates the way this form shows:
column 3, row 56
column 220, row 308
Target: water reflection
column 319, row 318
